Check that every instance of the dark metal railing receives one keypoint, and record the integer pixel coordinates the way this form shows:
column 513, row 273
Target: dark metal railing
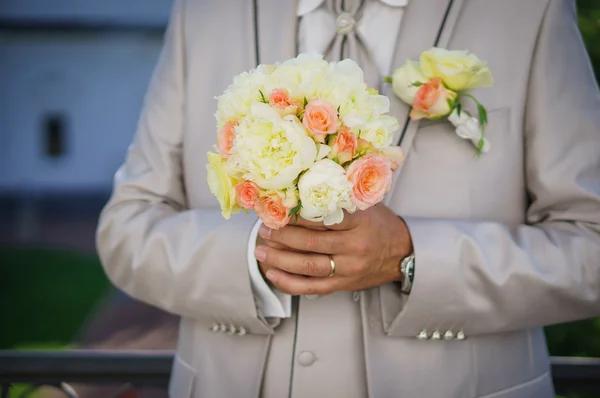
column 132, row 370
column 140, row 369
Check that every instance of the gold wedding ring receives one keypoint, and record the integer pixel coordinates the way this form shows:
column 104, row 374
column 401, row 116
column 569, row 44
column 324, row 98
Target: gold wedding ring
column 332, row 263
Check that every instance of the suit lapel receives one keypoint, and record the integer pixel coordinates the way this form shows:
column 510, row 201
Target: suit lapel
column 419, row 26
column 277, row 25
column 419, row 32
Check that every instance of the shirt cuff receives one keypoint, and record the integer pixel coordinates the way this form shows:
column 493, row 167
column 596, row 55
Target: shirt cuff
column 271, row 302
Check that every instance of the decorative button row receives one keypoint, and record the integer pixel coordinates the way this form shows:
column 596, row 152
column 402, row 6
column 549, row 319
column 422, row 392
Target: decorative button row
column 449, row 335
column 231, row 330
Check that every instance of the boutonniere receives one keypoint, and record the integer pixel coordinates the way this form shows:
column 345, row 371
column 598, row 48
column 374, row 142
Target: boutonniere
column 435, row 86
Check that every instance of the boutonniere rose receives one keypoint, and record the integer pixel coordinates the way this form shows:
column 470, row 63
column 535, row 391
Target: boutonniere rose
column 435, row 84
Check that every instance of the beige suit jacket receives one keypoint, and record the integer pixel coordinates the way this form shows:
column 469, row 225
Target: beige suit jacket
column 505, row 243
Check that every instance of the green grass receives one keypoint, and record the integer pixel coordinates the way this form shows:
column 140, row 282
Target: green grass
column 46, row 295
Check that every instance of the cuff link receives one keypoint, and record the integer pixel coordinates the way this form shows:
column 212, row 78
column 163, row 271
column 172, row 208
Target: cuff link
column 423, row 335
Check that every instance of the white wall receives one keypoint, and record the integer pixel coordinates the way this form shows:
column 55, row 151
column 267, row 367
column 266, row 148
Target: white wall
column 152, row 11
column 96, row 80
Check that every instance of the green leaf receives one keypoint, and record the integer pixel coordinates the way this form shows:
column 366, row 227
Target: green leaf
column 262, row 97
column 458, row 108
column 388, row 79
column 305, row 101
column 482, row 113
column 295, row 212
column 452, row 105
column 296, row 209
column 416, row 84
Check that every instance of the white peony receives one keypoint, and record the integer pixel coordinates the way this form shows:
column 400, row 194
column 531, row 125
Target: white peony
column 325, row 192
column 270, row 150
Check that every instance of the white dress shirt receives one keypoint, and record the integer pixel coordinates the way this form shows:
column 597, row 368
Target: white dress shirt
column 379, row 27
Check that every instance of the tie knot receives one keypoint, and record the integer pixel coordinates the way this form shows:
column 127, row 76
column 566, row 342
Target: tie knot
column 345, row 23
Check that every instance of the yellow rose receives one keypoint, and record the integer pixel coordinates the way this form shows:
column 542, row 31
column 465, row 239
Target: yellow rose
column 221, row 185
column 459, row 70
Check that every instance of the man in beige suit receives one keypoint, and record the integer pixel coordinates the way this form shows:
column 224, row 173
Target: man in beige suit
column 503, row 244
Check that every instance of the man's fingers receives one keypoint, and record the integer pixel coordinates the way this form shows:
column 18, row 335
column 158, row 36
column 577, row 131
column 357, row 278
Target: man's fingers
column 302, row 285
column 308, row 240
column 308, row 264
column 275, row 245
column 319, row 226
column 349, row 222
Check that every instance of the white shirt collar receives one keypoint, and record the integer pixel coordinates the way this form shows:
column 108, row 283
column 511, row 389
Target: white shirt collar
column 306, row 6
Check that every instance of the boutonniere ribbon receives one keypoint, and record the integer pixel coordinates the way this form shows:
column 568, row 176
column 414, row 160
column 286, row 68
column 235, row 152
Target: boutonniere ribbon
column 435, row 85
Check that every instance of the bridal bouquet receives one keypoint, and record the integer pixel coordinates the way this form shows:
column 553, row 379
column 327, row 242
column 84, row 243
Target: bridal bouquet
column 302, row 138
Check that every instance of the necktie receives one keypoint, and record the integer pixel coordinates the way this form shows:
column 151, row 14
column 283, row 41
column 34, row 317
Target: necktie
column 347, row 41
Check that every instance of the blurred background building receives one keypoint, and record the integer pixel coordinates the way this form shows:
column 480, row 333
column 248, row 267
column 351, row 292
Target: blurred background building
column 72, row 78
column 73, row 74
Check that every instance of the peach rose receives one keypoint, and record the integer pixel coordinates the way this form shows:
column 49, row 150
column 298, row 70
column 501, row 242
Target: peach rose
column 246, row 194
column 225, row 138
column 320, row 118
column 432, row 100
column 344, row 146
column 281, row 101
column 272, row 212
column 371, row 178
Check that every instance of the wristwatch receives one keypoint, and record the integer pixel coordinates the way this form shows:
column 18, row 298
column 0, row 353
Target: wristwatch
column 407, row 269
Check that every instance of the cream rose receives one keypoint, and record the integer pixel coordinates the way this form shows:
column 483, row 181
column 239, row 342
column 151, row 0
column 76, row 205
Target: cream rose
column 459, row 70
column 270, row 150
column 380, row 132
column 404, row 79
column 325, row 193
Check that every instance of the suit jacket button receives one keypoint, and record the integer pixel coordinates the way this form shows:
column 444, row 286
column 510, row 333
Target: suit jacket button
column 448, row 335
column 306, row 358
column 436, row 335
column 423, row 335
column 460, row 336
column 215, row 327
column 241, row 331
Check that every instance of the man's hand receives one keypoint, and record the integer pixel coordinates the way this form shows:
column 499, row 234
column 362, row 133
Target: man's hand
column 366, row 247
